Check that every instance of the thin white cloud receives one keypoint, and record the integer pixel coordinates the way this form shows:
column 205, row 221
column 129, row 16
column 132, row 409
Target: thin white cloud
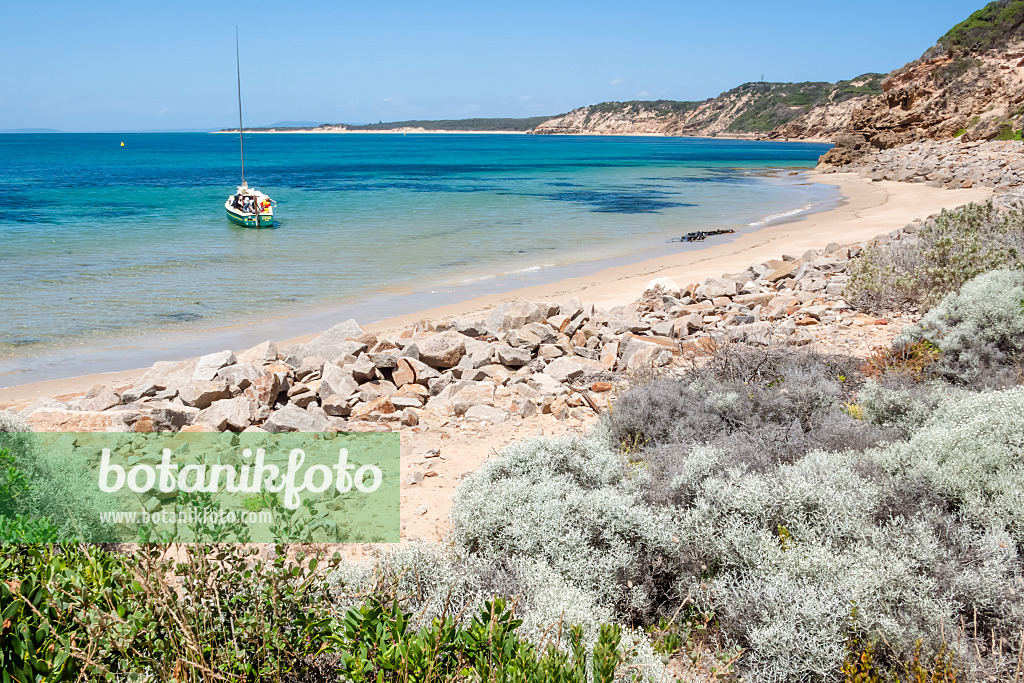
column 643, row 93
column 616, row 81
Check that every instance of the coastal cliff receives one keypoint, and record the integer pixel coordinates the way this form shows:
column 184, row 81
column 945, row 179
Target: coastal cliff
column 970, row 86
column 813, row 110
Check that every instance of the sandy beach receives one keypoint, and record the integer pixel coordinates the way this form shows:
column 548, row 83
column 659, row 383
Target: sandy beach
column 868, row 209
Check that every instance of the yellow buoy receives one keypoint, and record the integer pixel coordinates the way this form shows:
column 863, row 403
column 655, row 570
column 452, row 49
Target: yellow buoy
column 122, row 144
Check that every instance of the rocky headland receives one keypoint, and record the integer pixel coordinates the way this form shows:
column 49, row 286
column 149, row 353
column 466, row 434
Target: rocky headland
column 968, row 88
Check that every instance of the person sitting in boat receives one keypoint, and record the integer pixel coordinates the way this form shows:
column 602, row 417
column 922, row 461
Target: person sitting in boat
column 247, row 204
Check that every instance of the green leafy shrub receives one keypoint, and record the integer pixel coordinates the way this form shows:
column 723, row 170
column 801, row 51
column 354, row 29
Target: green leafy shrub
column 948, row 251
column 1006, row 132
column 978, row 331
column 437, row 582
column 73, row 612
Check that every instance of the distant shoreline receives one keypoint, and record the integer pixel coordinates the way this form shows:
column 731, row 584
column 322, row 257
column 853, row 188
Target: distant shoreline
column 749, row 137
column 391, row 131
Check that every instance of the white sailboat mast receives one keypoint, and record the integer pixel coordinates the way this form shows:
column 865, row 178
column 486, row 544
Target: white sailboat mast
column 238, row 69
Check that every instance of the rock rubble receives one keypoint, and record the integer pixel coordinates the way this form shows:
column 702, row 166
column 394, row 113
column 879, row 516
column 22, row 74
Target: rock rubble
column 942, row 163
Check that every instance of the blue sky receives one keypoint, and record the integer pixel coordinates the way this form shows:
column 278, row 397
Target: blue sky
column 103, row 65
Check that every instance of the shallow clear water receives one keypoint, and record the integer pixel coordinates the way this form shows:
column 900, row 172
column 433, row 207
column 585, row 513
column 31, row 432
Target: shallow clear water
column 99, row 241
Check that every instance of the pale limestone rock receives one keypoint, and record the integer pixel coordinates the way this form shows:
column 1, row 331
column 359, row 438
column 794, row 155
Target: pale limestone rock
column 294, row 419
column 200, row 394
column 57, row 420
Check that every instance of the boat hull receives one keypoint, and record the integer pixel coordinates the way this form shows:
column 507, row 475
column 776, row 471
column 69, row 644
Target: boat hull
column 249, row 220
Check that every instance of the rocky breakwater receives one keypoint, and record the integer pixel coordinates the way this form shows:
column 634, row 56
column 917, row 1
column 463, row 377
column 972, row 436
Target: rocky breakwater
column 943, row 163
column 523, row 359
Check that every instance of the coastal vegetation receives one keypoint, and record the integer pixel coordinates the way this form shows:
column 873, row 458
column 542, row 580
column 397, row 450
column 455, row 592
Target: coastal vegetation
column 947, row 251
column 994, row 25
column 770, row 105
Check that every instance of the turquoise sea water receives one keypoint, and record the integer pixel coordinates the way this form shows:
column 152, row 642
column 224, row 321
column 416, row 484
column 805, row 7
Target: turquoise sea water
column 127, row 248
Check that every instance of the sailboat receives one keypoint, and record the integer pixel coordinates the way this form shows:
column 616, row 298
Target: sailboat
column 248, row 206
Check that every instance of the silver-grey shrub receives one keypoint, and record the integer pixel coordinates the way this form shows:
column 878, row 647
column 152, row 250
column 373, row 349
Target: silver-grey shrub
column 979, row 331
column 972, row 451
column 576, row 505
column 921, row 536
column 789, row 555
column 898, row 401
column 761, row 406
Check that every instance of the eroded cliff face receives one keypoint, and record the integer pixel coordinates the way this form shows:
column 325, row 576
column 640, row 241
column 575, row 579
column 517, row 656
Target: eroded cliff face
column 642, row 119
column 966, row 95
column 756, row 110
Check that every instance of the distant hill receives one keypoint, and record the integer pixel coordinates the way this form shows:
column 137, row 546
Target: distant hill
column 812, row 109
column 30, row 130
column 462, row 125
column 969, row 85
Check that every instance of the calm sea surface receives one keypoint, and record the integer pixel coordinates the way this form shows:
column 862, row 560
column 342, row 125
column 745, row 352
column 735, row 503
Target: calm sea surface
column 104, row 247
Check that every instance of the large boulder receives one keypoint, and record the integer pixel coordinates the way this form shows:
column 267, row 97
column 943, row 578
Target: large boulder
column 234, row 414
column 43, row 404
column 208, row 365
column 100, row 397
column 564, row 370
column 648, row 356
column 472, row 395
column 531, row 335
column 511, row 316
column 512, row 357
column 412, row 371
column 169, row 419
column 486, row 413
column 381, row 405
column 259, row 354
column 442, row 350
column 166, row 374
column 240, row 375
column 337, row 382
column 265, row 389
column 203, row 394
column 330, row 344
column 717, row 286
column 294, row 419
column 783, row 271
